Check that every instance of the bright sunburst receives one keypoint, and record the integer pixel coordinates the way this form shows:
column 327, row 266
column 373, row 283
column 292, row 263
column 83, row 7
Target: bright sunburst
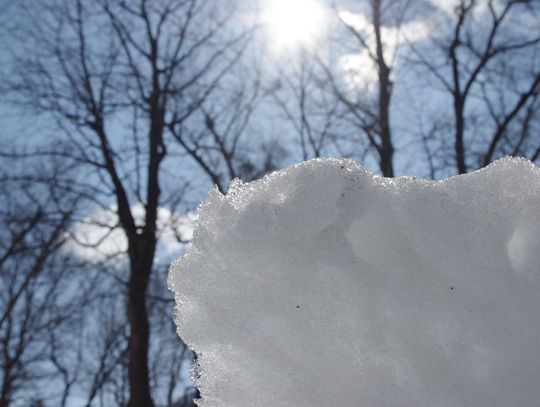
column 294, row 22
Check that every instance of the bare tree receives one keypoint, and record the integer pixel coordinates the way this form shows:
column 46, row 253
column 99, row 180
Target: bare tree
column 113, row 75
column 35, row 301
column 371, row 113
column 221, row 136
column 487, row 63
column 314, row 114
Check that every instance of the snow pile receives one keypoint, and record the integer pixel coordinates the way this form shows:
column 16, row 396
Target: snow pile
column 324, row 285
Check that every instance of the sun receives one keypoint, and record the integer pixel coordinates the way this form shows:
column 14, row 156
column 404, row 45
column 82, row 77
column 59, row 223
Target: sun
column 293, row 23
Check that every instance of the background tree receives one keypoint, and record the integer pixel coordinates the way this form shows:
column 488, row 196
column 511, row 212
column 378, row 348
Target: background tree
column 112, row 75
column 373, row 30
column 314, row 113
column 221, row 136
column 37, row 301
column 486, row 60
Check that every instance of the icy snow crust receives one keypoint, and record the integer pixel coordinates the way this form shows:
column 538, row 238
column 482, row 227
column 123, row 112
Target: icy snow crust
column 324, row 285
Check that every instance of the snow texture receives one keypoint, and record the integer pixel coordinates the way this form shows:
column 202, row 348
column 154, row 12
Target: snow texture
column 325, row 285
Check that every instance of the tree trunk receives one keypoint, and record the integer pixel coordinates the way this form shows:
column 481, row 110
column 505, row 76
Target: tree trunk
column 139, row 378
column 4, row 396
column 459, row 136
column 386, row 151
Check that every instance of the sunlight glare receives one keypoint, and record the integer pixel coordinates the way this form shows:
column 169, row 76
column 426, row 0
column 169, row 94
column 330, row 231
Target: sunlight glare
column 294, row 22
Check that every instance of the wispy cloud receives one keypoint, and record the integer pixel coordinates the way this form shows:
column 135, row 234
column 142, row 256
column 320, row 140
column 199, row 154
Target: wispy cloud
column 98, row 237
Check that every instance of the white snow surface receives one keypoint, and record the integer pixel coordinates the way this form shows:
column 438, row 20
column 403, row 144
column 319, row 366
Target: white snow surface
column 325, row 285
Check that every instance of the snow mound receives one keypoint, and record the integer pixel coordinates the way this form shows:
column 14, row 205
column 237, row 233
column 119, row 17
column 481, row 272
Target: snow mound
column 325, row 285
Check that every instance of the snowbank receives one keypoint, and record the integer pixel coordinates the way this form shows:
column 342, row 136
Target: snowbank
column 324, row 285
